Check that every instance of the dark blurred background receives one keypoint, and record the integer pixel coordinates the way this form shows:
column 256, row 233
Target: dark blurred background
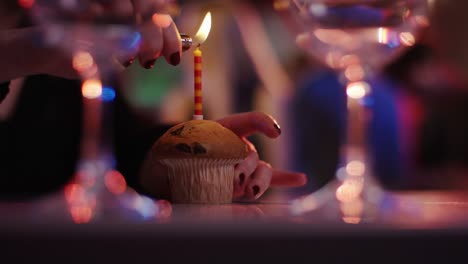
column 252, row 63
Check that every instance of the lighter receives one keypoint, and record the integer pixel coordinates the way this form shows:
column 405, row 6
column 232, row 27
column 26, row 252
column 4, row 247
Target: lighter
column 186, row 42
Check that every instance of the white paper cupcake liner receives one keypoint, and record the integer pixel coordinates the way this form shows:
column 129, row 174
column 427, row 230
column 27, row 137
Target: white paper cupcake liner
column 208, row 181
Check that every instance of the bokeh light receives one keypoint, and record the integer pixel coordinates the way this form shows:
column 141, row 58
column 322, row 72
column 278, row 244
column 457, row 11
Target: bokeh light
column 354, row 73
column 26, row 3
column 91, row 89
column 81, row 203
column 349, row 191
column 407, row 38
column 115, row 182
column 165, row 209
column 108, row 94
column 357, row 90
column 82, row 61
column 81, row 214
column 382, row 35
column 73, row 192
column 162, row 20
column 356, row 168
column 352, row 212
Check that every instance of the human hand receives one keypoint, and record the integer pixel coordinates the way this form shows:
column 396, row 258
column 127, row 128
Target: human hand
column 159, row 37
column 254, row 176
column 159, row 34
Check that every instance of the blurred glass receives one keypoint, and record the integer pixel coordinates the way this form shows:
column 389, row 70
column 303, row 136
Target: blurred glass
column 98, row 37
column 356, row 38
column 448, row 36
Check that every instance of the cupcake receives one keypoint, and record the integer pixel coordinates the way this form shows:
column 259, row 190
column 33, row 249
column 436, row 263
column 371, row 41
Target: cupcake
column 200, row 156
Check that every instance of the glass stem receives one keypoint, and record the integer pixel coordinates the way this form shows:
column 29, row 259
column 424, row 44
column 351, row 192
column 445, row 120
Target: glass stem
column 356, row 161
column 358, row 118
column 97, row 141
column 107, row 121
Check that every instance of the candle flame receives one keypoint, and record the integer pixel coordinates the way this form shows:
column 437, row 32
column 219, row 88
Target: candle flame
column 204, row 29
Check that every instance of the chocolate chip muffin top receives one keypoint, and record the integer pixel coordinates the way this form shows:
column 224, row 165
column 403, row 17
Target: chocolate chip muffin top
column 199, row 139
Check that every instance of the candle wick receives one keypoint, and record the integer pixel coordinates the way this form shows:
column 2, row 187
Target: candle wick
column 199, row 45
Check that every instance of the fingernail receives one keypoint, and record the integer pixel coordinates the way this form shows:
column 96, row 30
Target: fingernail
column 150, row 64
column 255, row 190
column 241, row 179
column 277, row 127
column 128, row 63
column 175, row 58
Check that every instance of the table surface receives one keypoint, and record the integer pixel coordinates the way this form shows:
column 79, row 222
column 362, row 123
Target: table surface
column 405, row 225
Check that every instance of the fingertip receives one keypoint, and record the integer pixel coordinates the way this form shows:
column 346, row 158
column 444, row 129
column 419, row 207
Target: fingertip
column 151, row 46
column 298, row 180
column 173, row 59
column 128, row 62
column 302, row 179
column 162, row 20
column 241, row 179
column 172, row 47
column 253, row 192
column 149, row 64
column 148, row 61
column 277, row 128
column 288, row 179
column 271, row 128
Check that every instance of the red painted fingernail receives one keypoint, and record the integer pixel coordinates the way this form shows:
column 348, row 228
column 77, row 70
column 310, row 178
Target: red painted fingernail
column 128, row 63
column 255, row 190
column 278, row 128
column 149, row 64
column 175, row 58
column 241, row 179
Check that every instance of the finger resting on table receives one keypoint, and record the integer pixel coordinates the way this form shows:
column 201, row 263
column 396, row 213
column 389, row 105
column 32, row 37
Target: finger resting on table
column 282, row 178
column 243, row 172
column 259, row 182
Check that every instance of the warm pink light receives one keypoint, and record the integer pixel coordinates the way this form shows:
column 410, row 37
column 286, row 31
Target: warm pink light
column 357, row 90
column 407, row 39
column 73, row 192
column 82, row 61
column 85, row 178
column 162, row 20
column 356, row 168
column 26, row 3
column 351, row 220
column 422, row 21
column 115, row 182
column 350, row 190
column 81, row 205
column 165, row 209
column 349, row 59
column 354, row 73
column 334, row 36
column 352, row 212
column 81, row 214
column 91, row 89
